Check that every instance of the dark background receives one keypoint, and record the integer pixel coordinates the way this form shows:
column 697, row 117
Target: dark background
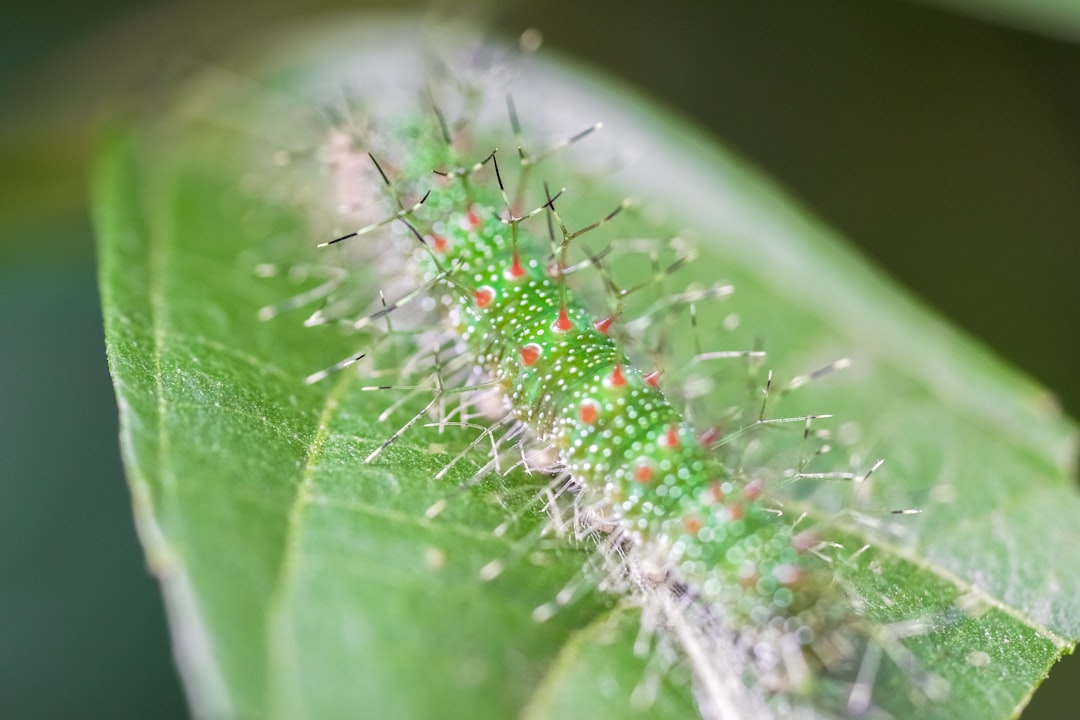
column 946, row 147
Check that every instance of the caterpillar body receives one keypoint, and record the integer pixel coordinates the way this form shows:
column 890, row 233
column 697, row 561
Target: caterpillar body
column 484, row 531
column 635, row 461
column 705, row 545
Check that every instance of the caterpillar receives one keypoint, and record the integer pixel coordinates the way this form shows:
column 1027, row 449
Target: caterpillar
column 730, row 577
column 287, row 524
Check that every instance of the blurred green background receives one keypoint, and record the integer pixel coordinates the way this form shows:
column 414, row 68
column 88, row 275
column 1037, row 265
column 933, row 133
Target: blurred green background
column 947, row 147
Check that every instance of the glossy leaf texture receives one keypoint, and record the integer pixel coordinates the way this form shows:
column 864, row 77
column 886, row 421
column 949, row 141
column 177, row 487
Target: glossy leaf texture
column 302, row 582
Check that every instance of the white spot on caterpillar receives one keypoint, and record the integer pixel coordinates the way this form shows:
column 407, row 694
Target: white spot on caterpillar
column 491, row 571
column 434, row 558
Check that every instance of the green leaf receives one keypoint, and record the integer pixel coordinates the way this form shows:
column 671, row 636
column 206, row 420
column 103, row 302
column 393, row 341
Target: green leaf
column 302, row 582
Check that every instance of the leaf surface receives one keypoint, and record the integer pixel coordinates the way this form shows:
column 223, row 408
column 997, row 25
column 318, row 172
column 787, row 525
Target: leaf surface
column 303, row 582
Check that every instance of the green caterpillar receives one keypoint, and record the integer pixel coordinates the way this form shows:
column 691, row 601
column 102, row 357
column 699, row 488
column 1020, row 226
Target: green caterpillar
column 742, row 572
column 657, row 487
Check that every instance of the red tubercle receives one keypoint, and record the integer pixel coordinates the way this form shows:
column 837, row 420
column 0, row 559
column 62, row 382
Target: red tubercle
column 671, row 437
column 804, row 541
column 716, row 491
column 653, row 378
column 643, row 473
column 562, row 323
column 439, row 243
column 736, row 511
column 590, row 411
column 753, row 489
column 484, row 296
column 472, row 218
column 530, row 354
column 710, row 436
column 693, row 524
column 516, row 271
column 603, row 325
column 616, row 379
column 787, row 574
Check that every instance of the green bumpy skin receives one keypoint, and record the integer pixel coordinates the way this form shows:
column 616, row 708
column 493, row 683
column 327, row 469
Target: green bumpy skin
column 636, row 461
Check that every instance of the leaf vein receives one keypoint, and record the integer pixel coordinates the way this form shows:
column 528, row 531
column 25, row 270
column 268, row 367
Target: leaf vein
column 278, row 641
